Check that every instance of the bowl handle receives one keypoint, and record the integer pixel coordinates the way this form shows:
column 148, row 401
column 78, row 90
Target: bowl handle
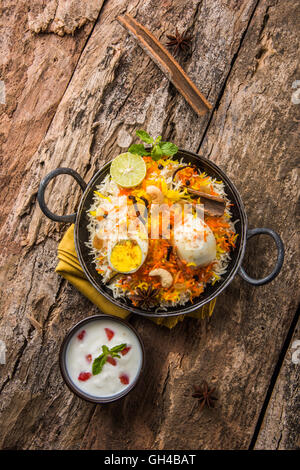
column 279, row 261
column 42, row 188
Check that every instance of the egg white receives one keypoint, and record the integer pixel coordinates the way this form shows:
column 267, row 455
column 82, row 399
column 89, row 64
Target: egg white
column 195, row 242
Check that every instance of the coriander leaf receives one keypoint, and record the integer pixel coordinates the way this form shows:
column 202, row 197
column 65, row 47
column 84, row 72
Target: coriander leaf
column 144, row 136
column 98, row 364
column 105, row 349
column 168, row 148
column 138, row 149
column 158, row 139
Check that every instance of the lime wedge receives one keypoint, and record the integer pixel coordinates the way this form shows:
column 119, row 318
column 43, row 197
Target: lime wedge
column 128, row 170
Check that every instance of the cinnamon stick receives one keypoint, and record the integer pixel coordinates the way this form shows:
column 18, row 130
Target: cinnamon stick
column 195, row 192
column 166, row 62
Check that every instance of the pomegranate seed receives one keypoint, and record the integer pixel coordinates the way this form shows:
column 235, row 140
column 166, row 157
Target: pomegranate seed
column 89, row 357
column 125, row 350
column 112, row 361
column 81, row 335
column 124, row 379
column 109, row 333
column 83, row 376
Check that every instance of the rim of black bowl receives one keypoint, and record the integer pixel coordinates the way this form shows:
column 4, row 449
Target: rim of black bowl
column 63, row 368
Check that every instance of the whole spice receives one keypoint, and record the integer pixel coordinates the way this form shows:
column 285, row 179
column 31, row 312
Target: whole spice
column 169, row 251
column 146, row 202
column 197, row 193
column 204, row 394
column 180, row 42
column 138, row 214
column 145, row 298
column 133, row 198
column 166, row 63
column 213, row 205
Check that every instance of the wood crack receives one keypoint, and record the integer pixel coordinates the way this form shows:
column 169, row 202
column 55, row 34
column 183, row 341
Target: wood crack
column 30, row 330
column 89, row 421
column 80, row 55
column 222, row 91
column 274, row 378
column 16, row 364
column 62, row 283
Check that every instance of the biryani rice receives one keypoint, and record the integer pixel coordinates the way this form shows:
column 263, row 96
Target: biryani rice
column 189, row 282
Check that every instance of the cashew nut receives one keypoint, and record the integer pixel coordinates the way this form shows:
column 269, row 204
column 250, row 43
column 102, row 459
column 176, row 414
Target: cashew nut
column 166, row 278
column 155, row 194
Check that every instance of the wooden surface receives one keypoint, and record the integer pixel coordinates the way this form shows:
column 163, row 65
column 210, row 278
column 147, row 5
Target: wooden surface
column 280, row 429
column 76, row 88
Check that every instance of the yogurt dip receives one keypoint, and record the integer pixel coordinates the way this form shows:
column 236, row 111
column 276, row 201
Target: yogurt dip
column 106, row 339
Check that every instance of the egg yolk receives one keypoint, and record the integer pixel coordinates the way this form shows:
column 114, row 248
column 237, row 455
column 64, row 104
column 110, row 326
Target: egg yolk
column 126, row 256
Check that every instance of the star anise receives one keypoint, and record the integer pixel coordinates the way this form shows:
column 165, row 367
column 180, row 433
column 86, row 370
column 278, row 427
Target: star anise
column 204, row 395
column 145, row 298
column 180, row 42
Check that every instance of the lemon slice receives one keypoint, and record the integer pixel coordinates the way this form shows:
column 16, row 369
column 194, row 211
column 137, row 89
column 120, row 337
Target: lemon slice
column 128, row 170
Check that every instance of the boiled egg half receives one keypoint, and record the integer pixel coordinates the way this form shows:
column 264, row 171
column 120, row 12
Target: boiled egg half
column 127, row 255
column 195, row 242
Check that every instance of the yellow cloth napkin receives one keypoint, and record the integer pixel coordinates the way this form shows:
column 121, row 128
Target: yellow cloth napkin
column 69, row 267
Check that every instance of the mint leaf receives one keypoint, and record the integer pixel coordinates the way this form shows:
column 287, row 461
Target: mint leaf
column 118, row 348
column 138, row 149
column 98, row 364
column 168, row 148
column 159, row 148
column 99, row 361
column 156, row 153
column 144, row 136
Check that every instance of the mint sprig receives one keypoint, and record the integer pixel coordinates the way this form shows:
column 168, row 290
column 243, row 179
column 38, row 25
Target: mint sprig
column 99, row 361
column 158, row 148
